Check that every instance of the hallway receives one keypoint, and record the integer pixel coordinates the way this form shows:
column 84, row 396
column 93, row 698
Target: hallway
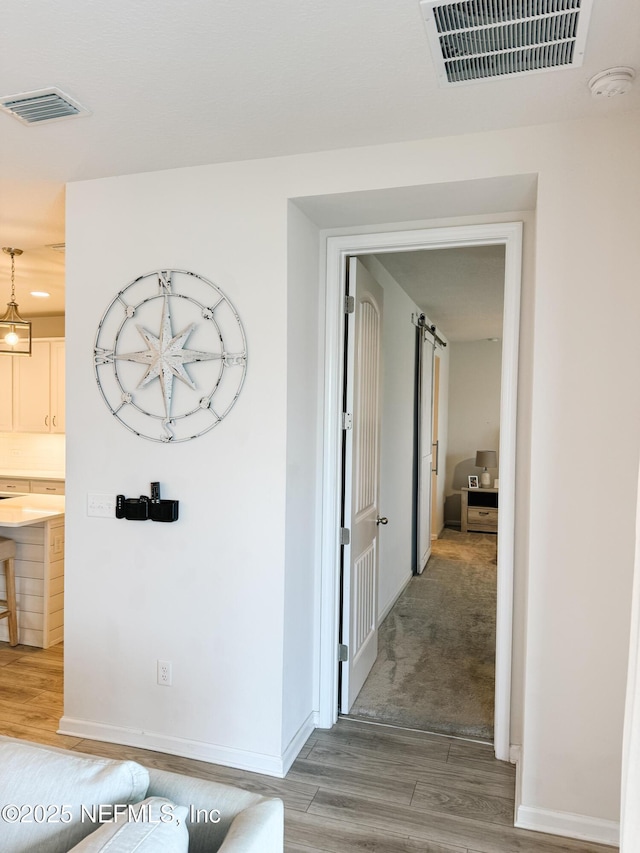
column 435, row 668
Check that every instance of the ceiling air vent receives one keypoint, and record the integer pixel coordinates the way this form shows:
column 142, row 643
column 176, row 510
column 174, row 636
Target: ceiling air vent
column 480, row 40
column 42, row 105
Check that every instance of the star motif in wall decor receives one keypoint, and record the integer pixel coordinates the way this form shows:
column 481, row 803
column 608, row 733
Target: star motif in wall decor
column 166, row 412
column 166, row 356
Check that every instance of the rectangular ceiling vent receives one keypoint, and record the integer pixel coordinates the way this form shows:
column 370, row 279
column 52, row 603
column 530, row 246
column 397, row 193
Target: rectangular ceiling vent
column 480, row 40
column 42, row 105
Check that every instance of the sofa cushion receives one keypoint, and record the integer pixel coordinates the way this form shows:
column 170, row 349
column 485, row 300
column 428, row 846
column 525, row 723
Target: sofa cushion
column 48, row 798
column 154, row 826
column 257, row 828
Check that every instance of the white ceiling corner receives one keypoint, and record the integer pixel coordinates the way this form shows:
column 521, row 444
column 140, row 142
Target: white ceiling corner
column 461, row 290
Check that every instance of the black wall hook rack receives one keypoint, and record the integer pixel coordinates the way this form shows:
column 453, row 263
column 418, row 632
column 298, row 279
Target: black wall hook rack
column 144, row 508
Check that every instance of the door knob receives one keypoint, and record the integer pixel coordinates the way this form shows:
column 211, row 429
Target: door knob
column 382, row 520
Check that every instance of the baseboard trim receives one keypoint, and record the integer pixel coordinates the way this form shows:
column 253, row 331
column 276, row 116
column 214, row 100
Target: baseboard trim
column 438, row 534
column 271, row 765
column 515, row 757
column 566, row 824
column 389, row 606
column 298, row 741
column 569, row 825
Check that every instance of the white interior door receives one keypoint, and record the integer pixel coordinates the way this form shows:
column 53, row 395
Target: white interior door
column 425, row 449
column 362, row 484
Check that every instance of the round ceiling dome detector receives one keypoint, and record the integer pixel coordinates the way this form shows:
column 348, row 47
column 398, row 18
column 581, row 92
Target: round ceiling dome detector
column 612, row 82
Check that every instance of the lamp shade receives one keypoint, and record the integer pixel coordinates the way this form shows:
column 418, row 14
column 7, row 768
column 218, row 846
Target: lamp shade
column 15, row 333
column 486, row 459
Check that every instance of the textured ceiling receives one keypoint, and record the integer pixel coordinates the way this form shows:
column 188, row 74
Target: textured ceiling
column 460, row 290
column 202, row 82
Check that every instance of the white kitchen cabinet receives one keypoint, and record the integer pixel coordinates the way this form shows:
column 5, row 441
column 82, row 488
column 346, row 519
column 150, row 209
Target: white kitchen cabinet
column 57, row 392
column 6, row 393
column 38, row 388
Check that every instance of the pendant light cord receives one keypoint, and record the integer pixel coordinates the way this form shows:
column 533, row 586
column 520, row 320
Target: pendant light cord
column 13, row 276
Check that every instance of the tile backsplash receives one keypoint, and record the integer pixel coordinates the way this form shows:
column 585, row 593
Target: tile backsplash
column 21, row 451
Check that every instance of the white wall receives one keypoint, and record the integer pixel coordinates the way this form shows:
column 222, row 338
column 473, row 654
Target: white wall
column 396, row 436
column 474, row 414
column 208, row 593
column 575, row 672
column 302, row 440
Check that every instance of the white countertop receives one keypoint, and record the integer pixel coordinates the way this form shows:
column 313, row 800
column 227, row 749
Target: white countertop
column 22, row 474
column 30, row 509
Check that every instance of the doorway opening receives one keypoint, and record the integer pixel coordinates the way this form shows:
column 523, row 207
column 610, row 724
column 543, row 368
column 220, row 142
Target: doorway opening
column 440, row 366
column 32, row 459
column 340, row 249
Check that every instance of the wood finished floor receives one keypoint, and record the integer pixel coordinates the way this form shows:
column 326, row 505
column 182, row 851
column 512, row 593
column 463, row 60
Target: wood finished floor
column 359, row 788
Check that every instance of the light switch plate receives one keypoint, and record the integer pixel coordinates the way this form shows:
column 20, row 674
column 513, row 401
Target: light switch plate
column 101, row 506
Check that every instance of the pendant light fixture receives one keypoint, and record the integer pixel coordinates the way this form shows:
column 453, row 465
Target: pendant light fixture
column 15, row 333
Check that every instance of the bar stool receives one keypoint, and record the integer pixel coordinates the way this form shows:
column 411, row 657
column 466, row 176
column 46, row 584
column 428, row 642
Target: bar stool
column 7, row 557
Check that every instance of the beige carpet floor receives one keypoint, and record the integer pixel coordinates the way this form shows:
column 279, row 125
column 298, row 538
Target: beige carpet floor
column 435, row 669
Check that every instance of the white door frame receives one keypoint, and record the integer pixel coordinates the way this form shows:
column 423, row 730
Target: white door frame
column 339, row 248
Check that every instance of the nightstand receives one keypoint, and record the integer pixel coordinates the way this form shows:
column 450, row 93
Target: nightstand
column 479, row 510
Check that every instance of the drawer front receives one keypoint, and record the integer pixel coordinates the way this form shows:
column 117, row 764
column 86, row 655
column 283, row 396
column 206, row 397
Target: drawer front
column 477, row 516
column 18, row 487
column 47, row 487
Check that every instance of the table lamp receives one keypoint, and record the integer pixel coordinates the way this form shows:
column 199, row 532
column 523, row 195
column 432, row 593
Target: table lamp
column 486, row 459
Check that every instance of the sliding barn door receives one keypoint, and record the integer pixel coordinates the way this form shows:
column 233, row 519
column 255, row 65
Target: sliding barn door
column 425, row 447
column 436, row 502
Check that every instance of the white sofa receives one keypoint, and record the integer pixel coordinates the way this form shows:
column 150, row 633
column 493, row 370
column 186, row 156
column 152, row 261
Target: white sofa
column 55, row 801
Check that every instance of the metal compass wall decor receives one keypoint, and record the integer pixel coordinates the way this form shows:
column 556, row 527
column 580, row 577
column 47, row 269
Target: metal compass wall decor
column 170, row 356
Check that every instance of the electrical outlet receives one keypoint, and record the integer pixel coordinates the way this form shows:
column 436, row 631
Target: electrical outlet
column 164, row 673
column 101, row 506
